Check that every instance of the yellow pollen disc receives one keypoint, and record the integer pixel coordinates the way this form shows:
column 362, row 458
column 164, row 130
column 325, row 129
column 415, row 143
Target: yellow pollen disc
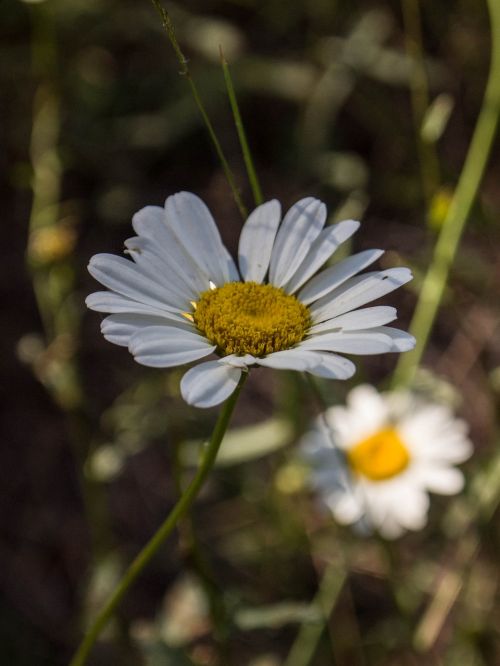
column 250, row 318
column 380, row 456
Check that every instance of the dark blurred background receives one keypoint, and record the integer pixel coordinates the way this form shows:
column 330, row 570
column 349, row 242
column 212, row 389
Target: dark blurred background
column 95, row 123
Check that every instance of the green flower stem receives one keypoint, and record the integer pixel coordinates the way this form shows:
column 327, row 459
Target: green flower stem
column 169, row 29
column 447, row 244
column 155, row 543
column 307, row 640
column 240, row 128
column 429, row 163
column 194, row 557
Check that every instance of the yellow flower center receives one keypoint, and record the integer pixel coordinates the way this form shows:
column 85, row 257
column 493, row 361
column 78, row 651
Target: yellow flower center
column 250, row 318
column 380, row 456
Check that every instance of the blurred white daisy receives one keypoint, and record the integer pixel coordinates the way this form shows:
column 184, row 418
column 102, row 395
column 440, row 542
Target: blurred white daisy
column 374, row 461
column 182, row 297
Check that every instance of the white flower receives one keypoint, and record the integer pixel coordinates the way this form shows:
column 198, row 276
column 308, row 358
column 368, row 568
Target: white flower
column 182, row 297
column 374, row 461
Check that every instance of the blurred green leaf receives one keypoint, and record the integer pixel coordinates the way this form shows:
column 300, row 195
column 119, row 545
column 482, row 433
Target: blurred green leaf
column 157, row 653
column 437, row 117
column 346, row 171
column 245, row 443
column 277, row 615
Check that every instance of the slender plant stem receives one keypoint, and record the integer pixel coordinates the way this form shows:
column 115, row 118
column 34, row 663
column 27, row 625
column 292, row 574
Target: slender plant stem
column 429, row 164
column 154, row 544
column 240, row 128
column 195, row 558
column 169, row 29
column 306, row 642
column 451, row 232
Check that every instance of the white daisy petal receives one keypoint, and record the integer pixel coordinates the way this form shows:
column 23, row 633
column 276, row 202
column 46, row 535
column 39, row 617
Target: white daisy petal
column 346, row 507
column 165, row 346
column 434, row 436
column 390, row 529
column 155, row 264
column 411, row 509
column 108, row 301
column 119, row 328
column 401, row 340
column 230, row 266
column 320, row 364
column 194, row 225
column 332, row 277
column 151, row 222
column 358, row 319
column 257, row 239
column 366, row 404
column 376, row 502
column 442, row 480
column 124, row 277
column 238, row 361
column 347, row 426
column 358, row 342
column 451, row 451
column 299, row 229
column 168, row 357
column 332, row 366
column 209, row 384
column 426, row 419
column 358, row 291
column 289, row 359
column 366, row 414
column 421, row 439
column 377, row 340
column 314, row 451
column 321, row 250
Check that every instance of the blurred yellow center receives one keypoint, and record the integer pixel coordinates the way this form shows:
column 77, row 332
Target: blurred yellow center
column 379, row 457
column 250, row 318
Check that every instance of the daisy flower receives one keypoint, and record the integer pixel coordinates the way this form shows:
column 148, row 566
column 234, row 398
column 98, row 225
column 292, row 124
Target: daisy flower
column 182, row 297
column 375, row 460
